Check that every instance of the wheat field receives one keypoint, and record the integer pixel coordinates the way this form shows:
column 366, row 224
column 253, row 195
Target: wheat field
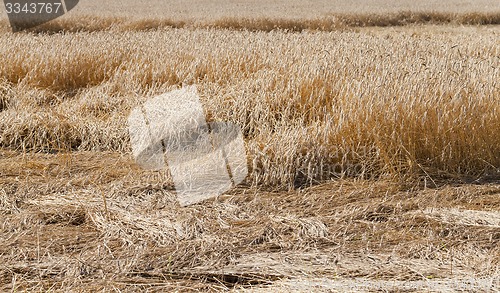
column 372, row 134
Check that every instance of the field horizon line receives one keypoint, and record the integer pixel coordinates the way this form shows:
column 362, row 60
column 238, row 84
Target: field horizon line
column 330, row 22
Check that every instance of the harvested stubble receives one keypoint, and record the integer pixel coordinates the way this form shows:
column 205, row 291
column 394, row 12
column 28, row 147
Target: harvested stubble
column 149, row 13
column 313, row 106
column 141, row 239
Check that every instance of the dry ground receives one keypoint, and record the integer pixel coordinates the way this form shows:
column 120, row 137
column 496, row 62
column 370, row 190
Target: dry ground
column 374, row 152
column 88, row 221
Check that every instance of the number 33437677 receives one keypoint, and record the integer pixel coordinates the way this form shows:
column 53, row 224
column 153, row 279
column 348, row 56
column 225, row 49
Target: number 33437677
column 32, row 8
